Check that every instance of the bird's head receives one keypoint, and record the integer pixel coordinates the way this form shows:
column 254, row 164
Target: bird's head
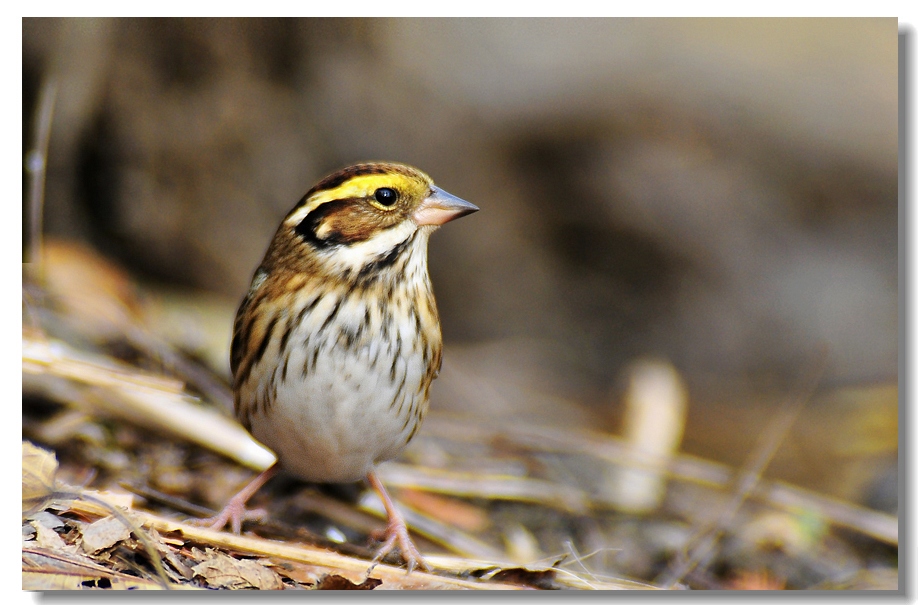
column 365, row 215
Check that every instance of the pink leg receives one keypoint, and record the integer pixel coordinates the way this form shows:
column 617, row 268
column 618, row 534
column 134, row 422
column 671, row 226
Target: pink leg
column 235, row 512
column 396, row 532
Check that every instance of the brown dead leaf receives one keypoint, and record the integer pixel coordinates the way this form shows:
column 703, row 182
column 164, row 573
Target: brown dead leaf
column 38, row 469
column 542, row 579
column 169, row 554
column 336, row 582
column 49, row 520
column 45, row 537
column 95, row 294
column 301, row 573
column 104, row 533
column 222, row 571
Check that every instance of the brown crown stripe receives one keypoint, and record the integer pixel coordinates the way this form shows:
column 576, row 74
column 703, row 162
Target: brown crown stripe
column 336, row 179
column 342, row 176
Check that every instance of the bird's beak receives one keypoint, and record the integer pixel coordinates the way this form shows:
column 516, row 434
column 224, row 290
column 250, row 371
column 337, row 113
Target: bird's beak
column 441, row 207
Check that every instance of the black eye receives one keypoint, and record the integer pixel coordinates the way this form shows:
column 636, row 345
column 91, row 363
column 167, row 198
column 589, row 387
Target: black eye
column 386, row 196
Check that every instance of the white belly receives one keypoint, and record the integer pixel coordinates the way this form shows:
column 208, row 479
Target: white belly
column 345, row 413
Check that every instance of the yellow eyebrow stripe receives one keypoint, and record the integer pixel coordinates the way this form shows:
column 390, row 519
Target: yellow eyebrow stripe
column 355, row 187
column 358, row 186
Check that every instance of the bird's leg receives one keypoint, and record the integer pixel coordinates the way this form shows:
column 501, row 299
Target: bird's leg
column 235, row 511
column 396, row 533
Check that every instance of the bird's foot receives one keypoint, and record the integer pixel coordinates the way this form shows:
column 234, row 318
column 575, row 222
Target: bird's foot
column 235, row 511
column 396, row 536
column 396, row 533
column 233, row 514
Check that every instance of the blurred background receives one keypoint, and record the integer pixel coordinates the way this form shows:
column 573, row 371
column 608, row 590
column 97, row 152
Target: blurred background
column 719, row 194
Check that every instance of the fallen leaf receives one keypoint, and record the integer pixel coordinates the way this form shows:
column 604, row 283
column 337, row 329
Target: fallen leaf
column 336, row 582
column 45, row 537
column 49, row 520
column 38, row 469
column 543, row 579
column 169, row 554
column 104, row 533
column 301, row 573
column 222, row 571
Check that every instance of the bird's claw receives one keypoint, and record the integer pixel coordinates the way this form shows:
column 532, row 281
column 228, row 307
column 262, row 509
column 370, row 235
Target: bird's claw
column 396, row 535
column 233, row 514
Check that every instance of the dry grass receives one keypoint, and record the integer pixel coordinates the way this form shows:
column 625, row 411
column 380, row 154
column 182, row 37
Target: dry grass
column 143, row 444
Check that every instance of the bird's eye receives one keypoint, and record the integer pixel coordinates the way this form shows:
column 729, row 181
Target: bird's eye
column 386, row 196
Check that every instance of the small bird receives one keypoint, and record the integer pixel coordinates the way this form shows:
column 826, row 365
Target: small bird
column 338, row 339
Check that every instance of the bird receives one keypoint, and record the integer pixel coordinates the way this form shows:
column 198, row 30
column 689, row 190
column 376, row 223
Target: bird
column 338, row 339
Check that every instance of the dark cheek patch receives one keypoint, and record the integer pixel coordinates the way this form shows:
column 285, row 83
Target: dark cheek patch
column 327, row 225
column 342, row 222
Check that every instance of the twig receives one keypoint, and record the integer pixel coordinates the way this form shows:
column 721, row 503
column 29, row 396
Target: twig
column 311, row 555
column 36, row 165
